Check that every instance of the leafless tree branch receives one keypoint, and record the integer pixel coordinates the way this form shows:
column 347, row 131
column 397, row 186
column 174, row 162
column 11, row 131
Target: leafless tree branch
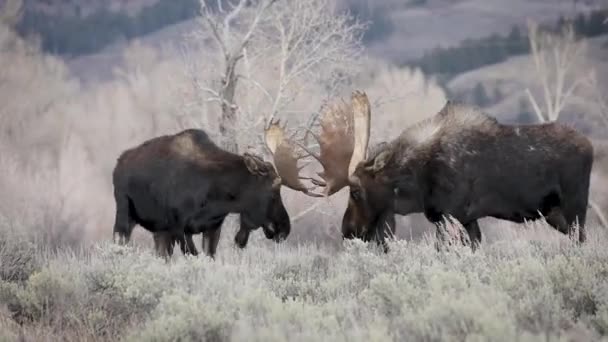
column 555, row 58
column 557, row 55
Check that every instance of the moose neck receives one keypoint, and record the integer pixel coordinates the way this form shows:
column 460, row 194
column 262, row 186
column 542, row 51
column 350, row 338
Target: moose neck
column 406, row 176
column 229, row 191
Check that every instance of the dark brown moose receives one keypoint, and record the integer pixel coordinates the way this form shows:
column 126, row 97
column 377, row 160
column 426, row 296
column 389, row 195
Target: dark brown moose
column 183, row 184
column 461, row 164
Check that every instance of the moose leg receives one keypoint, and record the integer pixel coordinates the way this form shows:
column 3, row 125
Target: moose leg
column 474, row 232
column 123, row 224
column 439, row 236
column 444, row 234
column 242, row 236
column 385, row 226
column 577, row 215
column 190, row 246
column 211, row 237
column 580, row 219
column 163, row 244
column 555, row 217
column 186, row 244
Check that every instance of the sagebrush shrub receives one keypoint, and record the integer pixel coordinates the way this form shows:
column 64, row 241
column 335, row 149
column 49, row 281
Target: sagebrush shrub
column 529, row 290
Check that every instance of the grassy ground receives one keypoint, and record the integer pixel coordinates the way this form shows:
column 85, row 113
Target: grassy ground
column 531, row 286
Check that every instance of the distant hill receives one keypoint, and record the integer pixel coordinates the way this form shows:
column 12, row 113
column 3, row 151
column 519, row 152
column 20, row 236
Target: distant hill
column 84, row 8
column 77, row 28
column 505, row 83
column 447, row 23
column 401, row 30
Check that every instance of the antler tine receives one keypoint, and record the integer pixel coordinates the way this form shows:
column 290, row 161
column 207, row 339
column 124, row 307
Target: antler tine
column 336, row 145
column 361, row 111
column 343, row 142
column 285, row 161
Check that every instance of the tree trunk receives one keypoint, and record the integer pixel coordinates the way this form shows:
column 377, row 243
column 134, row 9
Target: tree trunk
column 228, row 123
column 228, row 119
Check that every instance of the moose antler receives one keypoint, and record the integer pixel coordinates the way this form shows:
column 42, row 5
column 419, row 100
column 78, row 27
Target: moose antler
column 343, row 141
column 361, row 111
column 285, row 160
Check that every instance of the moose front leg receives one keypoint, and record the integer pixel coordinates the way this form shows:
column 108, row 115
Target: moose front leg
column 438, row 219
column 385, row 227
column 187, row 246
column 474, row 232
column 163, row 244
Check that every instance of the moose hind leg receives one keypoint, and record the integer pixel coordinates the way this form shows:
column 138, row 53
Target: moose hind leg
column 190, row 246
column 163, row 244
column 211, row 237
column 186, row 245
column 474, row 232
column 385, row 228
column 123, row 223
column 556, row 219
column 551, row 208
column 578, row 217
column 580, row 221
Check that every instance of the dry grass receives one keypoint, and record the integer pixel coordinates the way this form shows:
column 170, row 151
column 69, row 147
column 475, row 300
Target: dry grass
column 540, row 286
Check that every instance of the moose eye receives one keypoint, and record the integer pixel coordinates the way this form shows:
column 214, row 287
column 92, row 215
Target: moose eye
column 355, row 194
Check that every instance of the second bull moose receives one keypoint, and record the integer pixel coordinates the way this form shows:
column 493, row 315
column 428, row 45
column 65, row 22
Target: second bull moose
column 459, row 163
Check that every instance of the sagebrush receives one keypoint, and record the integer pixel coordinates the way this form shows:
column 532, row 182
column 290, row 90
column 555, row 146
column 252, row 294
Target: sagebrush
column 529, row 288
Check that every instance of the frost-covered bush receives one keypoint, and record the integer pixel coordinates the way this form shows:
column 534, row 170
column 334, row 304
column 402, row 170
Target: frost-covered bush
column 510, row 289
column 18, row 257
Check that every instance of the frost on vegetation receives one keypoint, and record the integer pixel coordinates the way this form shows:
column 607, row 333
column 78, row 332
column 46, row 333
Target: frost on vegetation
column 507, row 290
column 18, row 257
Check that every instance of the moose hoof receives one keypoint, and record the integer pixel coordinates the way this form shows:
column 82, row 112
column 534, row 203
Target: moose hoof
column 120, row 238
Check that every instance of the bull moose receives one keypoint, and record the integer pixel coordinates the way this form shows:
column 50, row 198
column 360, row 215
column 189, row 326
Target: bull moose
column 460, row 163
column 183, row 184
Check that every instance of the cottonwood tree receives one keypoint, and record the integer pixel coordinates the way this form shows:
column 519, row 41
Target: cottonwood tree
column 268, row 59
column 600, row 99
column 262, row 54
column 557, row 58
column 11, row 12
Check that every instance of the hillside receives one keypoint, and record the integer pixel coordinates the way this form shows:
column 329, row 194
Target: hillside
column 397, row 31
column 86, row 7
column 511, row 78
column 446, row 23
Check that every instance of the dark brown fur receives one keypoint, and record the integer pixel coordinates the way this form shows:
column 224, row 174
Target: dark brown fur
column 183, row 184
column 464, row 163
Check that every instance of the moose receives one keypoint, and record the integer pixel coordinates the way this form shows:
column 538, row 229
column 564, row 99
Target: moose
column 462, row 163
column 183, row 184
column 459, row 164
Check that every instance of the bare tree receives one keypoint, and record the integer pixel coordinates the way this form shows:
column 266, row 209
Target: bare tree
column 600, row 99
column 307, row 41
column 11, row 12
column 273, row 50
column 267, row 59
column 231, row 43
column 556, row 58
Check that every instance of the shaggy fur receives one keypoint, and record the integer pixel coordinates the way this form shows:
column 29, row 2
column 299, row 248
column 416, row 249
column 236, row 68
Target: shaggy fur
column 184, row 184
column 465, row 164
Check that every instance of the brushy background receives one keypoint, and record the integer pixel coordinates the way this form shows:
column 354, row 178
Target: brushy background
column 67, row 114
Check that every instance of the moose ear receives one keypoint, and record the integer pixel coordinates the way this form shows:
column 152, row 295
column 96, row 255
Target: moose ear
column 380, row 161
column 255, row 165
